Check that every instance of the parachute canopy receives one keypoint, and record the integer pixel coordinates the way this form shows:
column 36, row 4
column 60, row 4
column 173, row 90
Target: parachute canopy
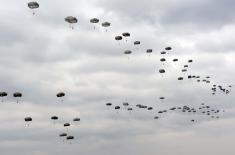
column 71, row 19
column 125, row 103
column 149, row 51
column 127, row 52
column 168, row 48
column 66, row 124
column 3, row 94
column 117, row 107
column 63, row 134
column 162, row 59
column 136, row 42
column 94, row 20
column 161, row 70
column 106, row 24
column 108, row 104
column 118, row 38
column 54, row 118
column 126, row 34
column 60, row 94
column 17, row 94
column 180, row 78
column 33, row 5
column 70, row 137
column 28, row 119
column 76, row 119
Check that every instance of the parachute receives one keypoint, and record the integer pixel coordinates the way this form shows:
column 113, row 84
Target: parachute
column 17, row 95
column 180, row 78
column 70, row 137
column 63, row 135
column 28, row 120
column 125, row 104
column 162, row 59
column 108, row 104
column 149, row 51
column 168, row 48
column 118, row 38
column 136, row 42
column 54, row 118
column 150, row 108
column 174, row 60
column 126, row 34
column 3, row 94
column 71, row 20
column 106, row 25
column 94, row 21
column 66, row 124
column 129, row 109
column 127, row 52
column 184, row 70
column 60, row 95
column 156, row 117
column 161, row 71
column 33, row 5
column 117, row 107
column 76, row 119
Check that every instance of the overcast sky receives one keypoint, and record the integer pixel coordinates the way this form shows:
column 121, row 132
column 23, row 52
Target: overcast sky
column 41, row 56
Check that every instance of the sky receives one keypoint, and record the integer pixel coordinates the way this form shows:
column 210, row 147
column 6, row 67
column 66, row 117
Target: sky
column 41, row 56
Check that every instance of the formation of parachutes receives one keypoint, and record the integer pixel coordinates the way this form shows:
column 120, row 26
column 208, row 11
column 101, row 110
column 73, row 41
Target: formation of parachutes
column 202, row 109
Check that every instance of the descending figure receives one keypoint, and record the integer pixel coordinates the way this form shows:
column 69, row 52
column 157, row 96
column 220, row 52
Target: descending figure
column 136, row 43
column 60, row 95
column 94, row 21
column 126, row 35
column 63, row 135
column 76, row 120
column 33, row 5
column 127, row 52
column 69, row 138
column 161, row 70
column 71, row 20
column 106, row 25
column 28, row 120
column 118, row 38
column 2, row 95
column 149, row 51
column 17, row 95
column 117, row 108
column 54, row 118
column 66, row 125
